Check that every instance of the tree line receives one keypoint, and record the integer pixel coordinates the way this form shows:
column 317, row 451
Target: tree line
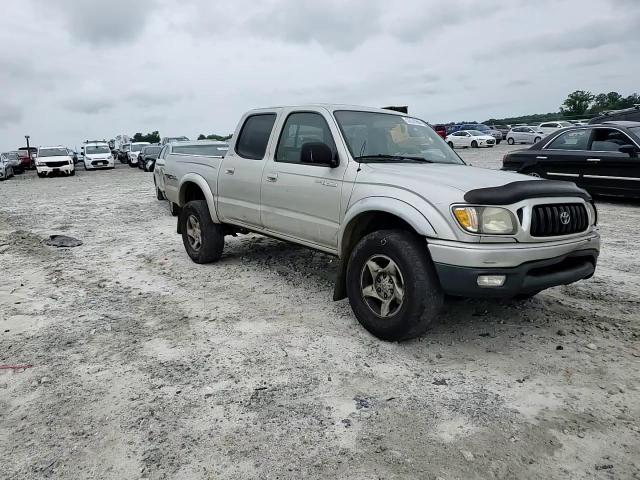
column 154, row 137
column 578, row 105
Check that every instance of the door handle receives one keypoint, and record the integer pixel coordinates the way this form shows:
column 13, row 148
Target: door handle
column 593, row 159
column 541, row 158
column 229, row 171
column 272, row 177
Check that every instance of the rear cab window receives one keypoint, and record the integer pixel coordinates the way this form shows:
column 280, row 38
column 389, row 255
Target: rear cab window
column 254, row 136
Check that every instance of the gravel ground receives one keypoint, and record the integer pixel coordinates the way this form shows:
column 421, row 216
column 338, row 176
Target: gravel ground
column 146, row 365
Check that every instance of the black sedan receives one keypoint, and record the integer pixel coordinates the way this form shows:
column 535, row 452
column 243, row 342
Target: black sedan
column 601, row 158
column 148, row 156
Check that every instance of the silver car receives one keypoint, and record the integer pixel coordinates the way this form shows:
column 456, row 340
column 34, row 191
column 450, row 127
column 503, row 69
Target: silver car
column 526, row 134
column 6, row 167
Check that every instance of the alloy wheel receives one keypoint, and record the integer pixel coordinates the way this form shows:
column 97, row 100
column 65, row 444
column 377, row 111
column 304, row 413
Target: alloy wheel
column 382, row 286
column 194, row 232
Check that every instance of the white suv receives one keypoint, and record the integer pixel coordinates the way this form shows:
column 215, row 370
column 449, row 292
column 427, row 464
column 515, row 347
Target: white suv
column 54, row 160
column 134, row 151
column 97, row 155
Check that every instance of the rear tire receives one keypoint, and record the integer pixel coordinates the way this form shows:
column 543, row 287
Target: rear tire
column 537, row 139
column 510, row 141
column 203, row 240
column 42, row 175
column 474, row 144
column 405, row 281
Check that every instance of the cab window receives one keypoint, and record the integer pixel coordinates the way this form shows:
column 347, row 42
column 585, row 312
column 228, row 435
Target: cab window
column 301, row 128
column 254, row 136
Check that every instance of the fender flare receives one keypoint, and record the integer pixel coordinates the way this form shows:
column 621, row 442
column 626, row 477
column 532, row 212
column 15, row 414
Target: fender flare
column 206, row 190
column 399, row 208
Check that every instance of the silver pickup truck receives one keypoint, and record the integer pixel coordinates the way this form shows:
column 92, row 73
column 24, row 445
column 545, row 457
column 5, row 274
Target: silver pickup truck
column 409, row 220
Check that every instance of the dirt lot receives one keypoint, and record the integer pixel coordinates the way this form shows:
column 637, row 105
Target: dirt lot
column 146, row 365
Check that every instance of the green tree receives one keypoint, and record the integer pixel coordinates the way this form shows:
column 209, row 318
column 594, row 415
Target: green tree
column 153, row 137
column 213, row 136
column 577, row 103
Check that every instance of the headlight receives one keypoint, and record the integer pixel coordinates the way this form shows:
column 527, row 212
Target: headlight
column 486, row 220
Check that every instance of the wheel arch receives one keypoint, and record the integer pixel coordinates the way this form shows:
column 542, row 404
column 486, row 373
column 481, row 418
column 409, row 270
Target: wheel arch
column 195, row 187
column 369, row 215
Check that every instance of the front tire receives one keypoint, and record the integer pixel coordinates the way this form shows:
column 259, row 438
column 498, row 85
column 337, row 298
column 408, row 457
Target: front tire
column 392, row 285
column 510, row 141
column 450, row 144
column 537, row 139
column 203, row 240
column 474, row 144
column 72, row 173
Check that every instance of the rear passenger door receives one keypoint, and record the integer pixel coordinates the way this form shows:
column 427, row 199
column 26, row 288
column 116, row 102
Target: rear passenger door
column 302, row 200
column 240, row 178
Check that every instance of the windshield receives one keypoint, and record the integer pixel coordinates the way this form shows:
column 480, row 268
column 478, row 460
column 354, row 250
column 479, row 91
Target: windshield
column 372, row 135
column 635, row 130
column 475, row 133
column 96, row 149
column 481, row 128
column 177, row 139
column 138, row 147
column 53, row 152
column 151, row 151
column 126, row 147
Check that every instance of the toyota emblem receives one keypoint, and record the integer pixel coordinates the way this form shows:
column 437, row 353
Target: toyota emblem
column 565, row 218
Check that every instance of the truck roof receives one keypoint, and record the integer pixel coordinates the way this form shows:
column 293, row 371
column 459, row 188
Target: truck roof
column 200, row 142
column 332, row 107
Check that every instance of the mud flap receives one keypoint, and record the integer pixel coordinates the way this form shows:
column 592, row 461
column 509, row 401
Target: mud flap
column 340, row 288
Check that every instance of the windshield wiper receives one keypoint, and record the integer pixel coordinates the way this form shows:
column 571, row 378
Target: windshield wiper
column 400, row 158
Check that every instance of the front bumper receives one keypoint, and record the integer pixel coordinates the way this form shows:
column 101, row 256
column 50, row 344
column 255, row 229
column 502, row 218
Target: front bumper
column 527, row 268
column 92, row 164
column 62, row 169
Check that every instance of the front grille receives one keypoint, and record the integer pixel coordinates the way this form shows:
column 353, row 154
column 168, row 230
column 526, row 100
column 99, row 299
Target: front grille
column 558, row 219
column 57, row 164
column 490, row 142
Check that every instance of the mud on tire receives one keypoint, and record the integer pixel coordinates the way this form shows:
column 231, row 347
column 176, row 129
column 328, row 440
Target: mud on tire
column 393, row 264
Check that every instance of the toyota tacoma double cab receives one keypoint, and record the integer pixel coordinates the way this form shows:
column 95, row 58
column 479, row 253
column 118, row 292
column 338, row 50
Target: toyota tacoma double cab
column 408, row 219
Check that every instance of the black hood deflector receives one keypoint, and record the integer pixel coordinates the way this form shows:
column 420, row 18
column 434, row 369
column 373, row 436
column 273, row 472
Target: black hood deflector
column 516, row 191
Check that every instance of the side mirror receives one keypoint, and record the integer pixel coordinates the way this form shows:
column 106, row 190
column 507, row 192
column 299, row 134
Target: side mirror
column 318, row 153
column 629, row 149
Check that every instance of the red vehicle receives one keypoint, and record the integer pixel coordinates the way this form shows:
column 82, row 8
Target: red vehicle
column 441, row 130
column 26, row 160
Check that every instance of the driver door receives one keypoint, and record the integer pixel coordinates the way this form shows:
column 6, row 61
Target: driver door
column 302, row 200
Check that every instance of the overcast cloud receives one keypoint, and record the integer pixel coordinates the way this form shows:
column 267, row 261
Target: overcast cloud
column 72, row 70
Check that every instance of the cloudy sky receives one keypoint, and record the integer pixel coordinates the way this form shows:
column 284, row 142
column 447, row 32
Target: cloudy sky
column 77, row 69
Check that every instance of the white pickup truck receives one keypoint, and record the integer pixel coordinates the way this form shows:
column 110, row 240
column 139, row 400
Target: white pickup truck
column 381, row 190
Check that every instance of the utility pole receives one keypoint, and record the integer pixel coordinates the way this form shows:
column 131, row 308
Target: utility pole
column 29, row 151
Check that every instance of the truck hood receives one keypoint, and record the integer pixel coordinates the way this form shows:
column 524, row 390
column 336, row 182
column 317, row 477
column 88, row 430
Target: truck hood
column 53, row 159
column 422, row 178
